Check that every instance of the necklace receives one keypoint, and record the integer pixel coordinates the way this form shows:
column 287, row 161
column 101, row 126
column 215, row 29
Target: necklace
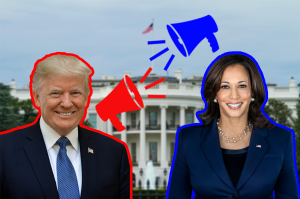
column 233, row 139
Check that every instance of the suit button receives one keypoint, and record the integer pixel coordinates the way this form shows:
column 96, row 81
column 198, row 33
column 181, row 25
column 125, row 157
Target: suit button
column 235, row 197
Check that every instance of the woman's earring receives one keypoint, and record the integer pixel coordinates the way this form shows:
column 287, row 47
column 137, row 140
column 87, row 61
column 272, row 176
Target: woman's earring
column 215, row 101
column 252, row 99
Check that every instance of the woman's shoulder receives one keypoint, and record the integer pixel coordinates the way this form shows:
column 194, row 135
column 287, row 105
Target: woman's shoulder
column 280, row 132
column 191, row 127
column 280, row 136
column 191, row 131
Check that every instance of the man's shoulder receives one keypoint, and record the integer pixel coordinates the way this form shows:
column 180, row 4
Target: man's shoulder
column 15, row 134
column 12, row 143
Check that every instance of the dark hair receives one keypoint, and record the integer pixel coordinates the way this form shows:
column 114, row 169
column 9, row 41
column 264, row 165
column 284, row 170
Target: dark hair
column 212, row 86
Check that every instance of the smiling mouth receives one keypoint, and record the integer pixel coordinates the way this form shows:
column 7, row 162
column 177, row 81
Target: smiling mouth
column 234, row 105
column 65, row 114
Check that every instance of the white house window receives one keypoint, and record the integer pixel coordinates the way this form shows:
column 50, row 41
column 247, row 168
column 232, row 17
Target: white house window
column 153, row 151
column 152, row 119
column 133, row 120
column 172, row 146
column 189, row 118
column 172, row 120
column 93, row 120
column 133, row 152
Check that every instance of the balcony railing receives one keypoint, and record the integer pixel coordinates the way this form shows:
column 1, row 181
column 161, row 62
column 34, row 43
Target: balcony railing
column 158, row 127
column 132, row 127
column 171, row 86
column 173, row 127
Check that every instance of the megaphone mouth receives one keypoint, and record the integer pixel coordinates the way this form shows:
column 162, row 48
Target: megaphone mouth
column 133, row 90
column 177, row 40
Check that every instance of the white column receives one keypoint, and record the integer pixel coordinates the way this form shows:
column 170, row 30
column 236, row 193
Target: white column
column 163, row 137
column 142, row 159
column 182, row 115
column 109, row 127
column 99, row 125
column 197, row 108
column 123, row 133
column 103, row 125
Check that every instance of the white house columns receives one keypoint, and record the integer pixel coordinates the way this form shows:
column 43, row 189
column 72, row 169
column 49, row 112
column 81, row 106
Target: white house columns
column 163, row 137
column 142, row 158
column 109, row 127
column 182, row 115
column 123, row 133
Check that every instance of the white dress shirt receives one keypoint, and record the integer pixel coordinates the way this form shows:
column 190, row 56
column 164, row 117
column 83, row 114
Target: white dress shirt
column 73, row 150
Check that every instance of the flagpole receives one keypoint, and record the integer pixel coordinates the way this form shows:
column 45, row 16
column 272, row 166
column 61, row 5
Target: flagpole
column 153, row 45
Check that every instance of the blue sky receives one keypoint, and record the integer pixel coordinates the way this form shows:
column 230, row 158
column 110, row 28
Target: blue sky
column 108, row 35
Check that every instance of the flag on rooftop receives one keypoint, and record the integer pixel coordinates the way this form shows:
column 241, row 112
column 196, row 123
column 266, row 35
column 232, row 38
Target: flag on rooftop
column 148, row 29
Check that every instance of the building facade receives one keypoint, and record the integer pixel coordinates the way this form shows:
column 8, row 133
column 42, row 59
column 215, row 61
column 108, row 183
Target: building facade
column 150, row 132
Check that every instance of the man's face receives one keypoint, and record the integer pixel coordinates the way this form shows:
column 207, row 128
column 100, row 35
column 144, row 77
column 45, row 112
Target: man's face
column 62, row 101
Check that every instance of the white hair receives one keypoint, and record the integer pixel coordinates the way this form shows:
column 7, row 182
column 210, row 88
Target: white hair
column 60, row 65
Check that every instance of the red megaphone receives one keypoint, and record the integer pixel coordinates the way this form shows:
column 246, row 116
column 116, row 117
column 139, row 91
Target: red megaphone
column 119, row 101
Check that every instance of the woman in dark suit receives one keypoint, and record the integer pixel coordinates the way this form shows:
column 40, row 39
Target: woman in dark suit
column 236, row 152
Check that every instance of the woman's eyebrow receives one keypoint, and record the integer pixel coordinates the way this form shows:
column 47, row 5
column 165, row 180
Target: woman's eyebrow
column 238, row 82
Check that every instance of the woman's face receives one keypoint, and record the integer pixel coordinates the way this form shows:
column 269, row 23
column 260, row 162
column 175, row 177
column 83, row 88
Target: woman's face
column 234, row 96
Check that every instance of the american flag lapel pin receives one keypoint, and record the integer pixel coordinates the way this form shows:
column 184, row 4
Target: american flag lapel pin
column 90, row 150
column 258, row 146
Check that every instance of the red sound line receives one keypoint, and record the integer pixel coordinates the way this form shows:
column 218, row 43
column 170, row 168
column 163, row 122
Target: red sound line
column 146, row 75
column 154, row 83
column 156, row 96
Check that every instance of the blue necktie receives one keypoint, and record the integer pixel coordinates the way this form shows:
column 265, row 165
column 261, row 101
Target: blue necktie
column 66, row 176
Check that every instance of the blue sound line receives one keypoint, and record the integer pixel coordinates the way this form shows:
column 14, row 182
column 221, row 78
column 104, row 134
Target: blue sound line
column 169, row 62
column 156, row 42
column 159, row 54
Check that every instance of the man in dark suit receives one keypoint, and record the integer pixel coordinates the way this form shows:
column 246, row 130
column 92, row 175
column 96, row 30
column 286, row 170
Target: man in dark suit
column 55, row 157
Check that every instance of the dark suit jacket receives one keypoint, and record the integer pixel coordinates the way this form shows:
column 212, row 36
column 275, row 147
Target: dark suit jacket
column 26, row 170
column 199, row 166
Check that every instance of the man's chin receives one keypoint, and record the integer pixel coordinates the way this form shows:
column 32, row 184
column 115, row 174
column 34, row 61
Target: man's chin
column 64, row 129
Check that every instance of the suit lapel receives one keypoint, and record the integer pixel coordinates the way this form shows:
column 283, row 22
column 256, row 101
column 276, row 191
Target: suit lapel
column 88, row 163
column 213, row 153
column 37, row 154
column 255, row 154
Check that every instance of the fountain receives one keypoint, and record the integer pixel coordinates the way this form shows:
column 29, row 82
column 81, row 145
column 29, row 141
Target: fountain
column 149, row 175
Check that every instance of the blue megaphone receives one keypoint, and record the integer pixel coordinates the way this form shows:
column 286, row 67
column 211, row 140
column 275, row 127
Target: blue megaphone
column 187, row 35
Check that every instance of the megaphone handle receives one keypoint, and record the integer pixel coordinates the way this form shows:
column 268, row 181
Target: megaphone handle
column 116, row 122
column 213, row 42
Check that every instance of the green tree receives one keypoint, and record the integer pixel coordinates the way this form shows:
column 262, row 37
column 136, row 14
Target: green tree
column 193, row 83
column 279, row 112
column 15, row 103
column 25, row 107
column 30, row 113
column 87, row 123
column 296, row 128
column 112, row 83
column 8, row 117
